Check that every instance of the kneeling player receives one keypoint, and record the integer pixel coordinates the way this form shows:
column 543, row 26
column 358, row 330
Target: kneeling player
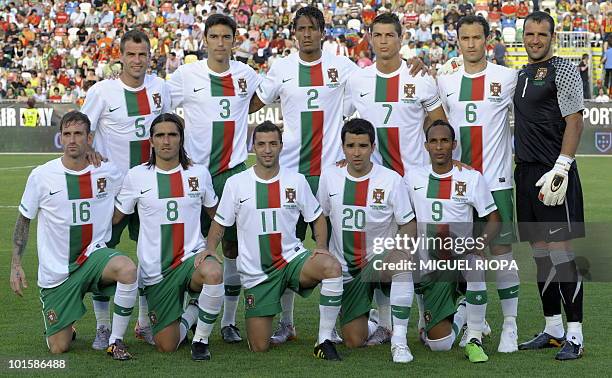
column 367, row 202
column 74, row 201
column 442, row 194
column 265, row 202
column 170, row 192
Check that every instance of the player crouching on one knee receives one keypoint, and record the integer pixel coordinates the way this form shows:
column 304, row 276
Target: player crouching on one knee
column 170, row 192
column 74, row 203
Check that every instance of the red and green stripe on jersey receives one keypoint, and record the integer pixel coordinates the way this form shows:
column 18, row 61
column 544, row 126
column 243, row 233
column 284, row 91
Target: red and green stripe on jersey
column 137, row 103
column 172, row 246
column 387, row 89
column 169, row 185
column 312, row 143
column 471, row 146
column 354, row 248
column 388, row 146
column 310, row 76
column 222, row 146
column 79, row 186
column 140, row 151
column 355, row 193
column 472, row 89
column 221, row 86
column 439, row 188
column 267, row 196
column 271, row 252
column 79, row 239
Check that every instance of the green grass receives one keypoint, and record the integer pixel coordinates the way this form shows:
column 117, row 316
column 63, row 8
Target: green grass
column 21, row 327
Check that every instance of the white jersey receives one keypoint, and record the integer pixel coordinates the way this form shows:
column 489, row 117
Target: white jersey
column 477, row 107
column 266, row 213
column 216, row 109
column 169, row 206
column 121, row 117
column 75, row 212
column 361, row 210
column 311, row 95
column 396, row 104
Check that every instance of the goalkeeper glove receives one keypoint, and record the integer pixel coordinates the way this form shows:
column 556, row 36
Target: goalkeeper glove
column 451, row 66
column 554, row 183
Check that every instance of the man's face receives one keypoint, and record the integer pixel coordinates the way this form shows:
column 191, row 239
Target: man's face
column 537, row 39
column 166, row 141
column 385, row 41
column 472, row 42
column 267, row 147
column 357, row 150
column 308, row 35
column 219, row 41
column 136, row 58
column 75, row 139
column 440, row 145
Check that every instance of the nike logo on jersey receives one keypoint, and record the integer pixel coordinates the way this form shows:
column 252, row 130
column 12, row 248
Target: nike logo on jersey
column 144, row 191
column 52, row 193
column 363, row 94
column 417, row 188
column 286, row 80
column 450, row 94
column 244, row 200
column 110, row 110
column 331, row 195
column 197, row 90
column 552, row 232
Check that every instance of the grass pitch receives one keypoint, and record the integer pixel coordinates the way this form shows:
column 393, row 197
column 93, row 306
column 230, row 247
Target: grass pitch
column 21, row 325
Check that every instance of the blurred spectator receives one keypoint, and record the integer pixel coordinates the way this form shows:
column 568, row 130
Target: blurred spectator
column 500, row 52
column 606, row 62
column 583, row 68
column 602, row 96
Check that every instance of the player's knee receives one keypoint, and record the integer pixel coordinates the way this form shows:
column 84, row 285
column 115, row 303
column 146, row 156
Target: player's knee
column 165, row 346
column 58, row 347
column 332, row 268
column 211, row 273
column 353, row 341
column 127, row 272
column 259, row 346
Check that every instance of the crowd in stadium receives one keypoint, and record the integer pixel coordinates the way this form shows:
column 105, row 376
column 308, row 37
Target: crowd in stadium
column 55, row 50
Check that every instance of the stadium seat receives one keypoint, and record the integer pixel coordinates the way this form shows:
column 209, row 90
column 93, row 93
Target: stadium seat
column 509, row 35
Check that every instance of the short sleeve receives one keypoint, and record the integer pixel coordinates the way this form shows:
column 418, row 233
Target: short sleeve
column 323, row 195
column 269, row 88
column 307, row 203
column 430, row 98
column 569, row 88
column 400, row 200
column 226, row 211
column 128, row 196
column 348, row 108
column 175, row 88
column 481, row 198
column 166, row 99
column 30, row 201
column 93, row 106
column 255, row 81
column 209, row 198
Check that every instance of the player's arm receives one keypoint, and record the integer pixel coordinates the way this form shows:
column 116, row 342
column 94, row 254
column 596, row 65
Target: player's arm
column 491, row 228
column 223, row 216
column 126, row 199
column 434, row 115
column 267, row 91
column 320, row 232
column 20, row 240
column 482, row 200
column 117, row 216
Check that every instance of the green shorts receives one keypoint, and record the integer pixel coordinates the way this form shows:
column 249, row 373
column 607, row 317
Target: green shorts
column 166, row 297
column 218, row 184
column 440, row 293
column 133, row 224
column 264, row 298
column 505, row 207
column 63, row 304
column 358, row 293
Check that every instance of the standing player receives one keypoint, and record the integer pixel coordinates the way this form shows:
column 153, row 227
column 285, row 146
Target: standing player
column 478, row 97
column 170, row 192
column 265, row 202
column 74, row 202
column 548, row 106
column 215, row 94
column 396, row 104
column 366, row 202
column 445, row 199
column 121, row 111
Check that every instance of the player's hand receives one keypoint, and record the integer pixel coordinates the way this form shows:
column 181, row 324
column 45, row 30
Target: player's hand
column 416, row 65
column 460, row 165
column 18, row 279
column 202, row 255
column 554, row 182
column 94, row 157
column 452, row 65
column 341, row 163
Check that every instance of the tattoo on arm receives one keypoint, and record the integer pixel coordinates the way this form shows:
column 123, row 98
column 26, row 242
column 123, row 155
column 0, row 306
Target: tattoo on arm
column 20, row 235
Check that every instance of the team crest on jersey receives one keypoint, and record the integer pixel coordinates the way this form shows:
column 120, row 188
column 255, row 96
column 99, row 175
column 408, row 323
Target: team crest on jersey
column 52, row 317
column 460, row 188
column 378, row 195
column 153, row 317
column 249, row 301
column 496, row 89
column 603, row 141
column 194, row 184
column 157, row 100
column 332, row 75
column 242, row 84
column 409, row 92
column 101, row 184
column 541, row 73
column 290, row 195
